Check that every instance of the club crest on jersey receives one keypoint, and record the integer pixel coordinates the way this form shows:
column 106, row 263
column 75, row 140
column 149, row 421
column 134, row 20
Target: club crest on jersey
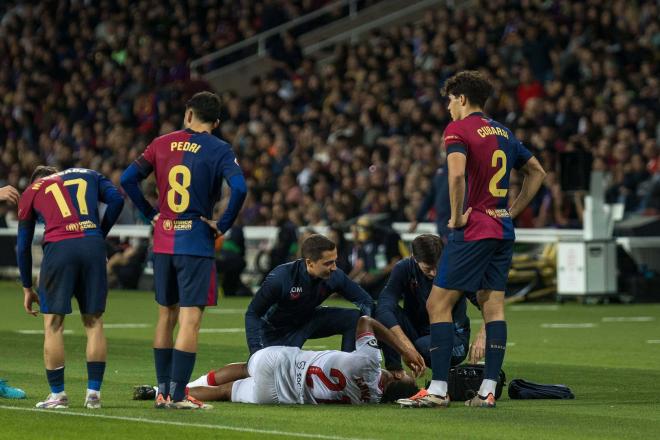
column 167, row 224
column 295, row 292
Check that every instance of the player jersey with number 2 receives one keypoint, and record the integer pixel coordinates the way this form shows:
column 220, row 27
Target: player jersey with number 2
column 491, row 152
column 67, row 203
column 189, row 169
column 338, row 377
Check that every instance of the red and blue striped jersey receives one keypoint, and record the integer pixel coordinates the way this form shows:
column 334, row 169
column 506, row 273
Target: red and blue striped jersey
column 67, row 203
column 491, row 152
column 189, row 169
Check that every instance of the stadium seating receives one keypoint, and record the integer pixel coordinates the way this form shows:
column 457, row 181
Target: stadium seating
column 359, row 135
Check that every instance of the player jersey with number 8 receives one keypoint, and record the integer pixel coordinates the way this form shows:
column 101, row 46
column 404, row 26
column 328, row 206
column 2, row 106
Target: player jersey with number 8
column 190, row 168
column 179, row 189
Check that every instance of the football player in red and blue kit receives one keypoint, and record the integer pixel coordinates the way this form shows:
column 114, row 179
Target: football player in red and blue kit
column 480, row 245
column 74, row 264
column 190, row 166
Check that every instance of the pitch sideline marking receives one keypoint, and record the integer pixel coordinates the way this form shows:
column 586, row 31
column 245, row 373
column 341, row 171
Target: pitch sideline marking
column 534, row 308
column 628, row 318
column 134, row 326
column 222, row 330
column 40, row 332
column 570, row 325
column 105, row 326
column 653, row 341
column 224, row 311
column 187, row 425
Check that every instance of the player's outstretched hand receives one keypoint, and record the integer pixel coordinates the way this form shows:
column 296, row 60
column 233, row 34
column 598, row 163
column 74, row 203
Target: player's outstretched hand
column 212, row 224
column 9, row 194
column 30, row 297
column 477, row 348
column 155, row 219
column 415, row 362
column 461, row 221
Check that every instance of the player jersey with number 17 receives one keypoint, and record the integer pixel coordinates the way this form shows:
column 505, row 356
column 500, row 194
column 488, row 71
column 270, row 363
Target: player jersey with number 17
column 491, row 152
column 67, row 203
column 189, row 169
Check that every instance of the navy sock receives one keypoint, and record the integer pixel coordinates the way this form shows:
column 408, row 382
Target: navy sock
column 442, row 343
column 163, row 359
column 95, row 372
column 183, row 363
column 56, row 380
column 495, row 348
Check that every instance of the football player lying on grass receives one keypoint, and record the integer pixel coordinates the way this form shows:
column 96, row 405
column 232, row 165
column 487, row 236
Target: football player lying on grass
column 289, row 375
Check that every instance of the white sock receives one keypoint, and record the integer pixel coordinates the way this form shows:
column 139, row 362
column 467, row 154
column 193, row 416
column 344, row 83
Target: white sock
column 438, row 387
column 199, row 382
column 58, row 396
column 89, row 392
column 487, row 387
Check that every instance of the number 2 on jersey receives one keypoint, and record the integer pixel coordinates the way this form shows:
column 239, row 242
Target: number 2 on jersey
column 329, row 384
column 498, row 156
column 55, row 190
column 178, row 188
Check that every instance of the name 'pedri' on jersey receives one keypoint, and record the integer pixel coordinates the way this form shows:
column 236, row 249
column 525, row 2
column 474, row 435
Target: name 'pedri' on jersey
column 67, row 204
column 491, row 152
column 189, row 168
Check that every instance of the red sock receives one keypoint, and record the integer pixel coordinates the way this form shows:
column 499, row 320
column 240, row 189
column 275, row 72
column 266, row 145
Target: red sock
column 210, row 378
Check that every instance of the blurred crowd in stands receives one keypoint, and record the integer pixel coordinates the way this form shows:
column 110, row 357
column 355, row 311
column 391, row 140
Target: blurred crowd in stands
column 91, row 83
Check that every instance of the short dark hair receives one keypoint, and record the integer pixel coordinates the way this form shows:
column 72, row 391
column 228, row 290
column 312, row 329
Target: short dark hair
column 42, row 171
column 205, row 105
column 314, row 246
column 476, row 88
column 398, row 390
column 427, row 248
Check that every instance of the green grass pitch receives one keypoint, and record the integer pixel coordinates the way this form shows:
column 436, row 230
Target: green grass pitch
column 611, row 361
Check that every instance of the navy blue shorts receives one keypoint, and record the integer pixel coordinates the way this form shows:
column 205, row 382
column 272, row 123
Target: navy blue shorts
column 73, row 268
column 186, row 280
column 469, row 266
